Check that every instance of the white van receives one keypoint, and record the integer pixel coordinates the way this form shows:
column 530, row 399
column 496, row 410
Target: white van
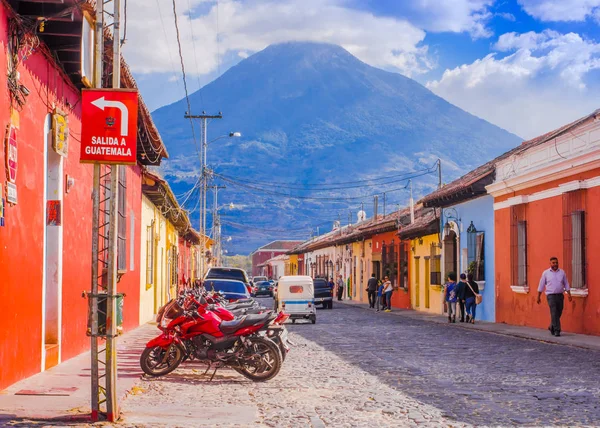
column 296, row 297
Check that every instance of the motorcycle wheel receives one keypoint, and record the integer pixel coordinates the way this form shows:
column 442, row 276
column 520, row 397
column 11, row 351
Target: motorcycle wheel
column 152, row 363
column 264, row 363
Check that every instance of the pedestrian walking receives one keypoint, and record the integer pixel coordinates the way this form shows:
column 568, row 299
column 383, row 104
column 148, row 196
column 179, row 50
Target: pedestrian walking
column 450, row 296
column 388, row 289
column 331, row 285
column 340, row 287
column 380, row 297
column 372, row 291
column 554, row 282
column 460, row 294
column 470, row 294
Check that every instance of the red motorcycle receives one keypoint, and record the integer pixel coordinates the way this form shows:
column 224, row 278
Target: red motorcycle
column 192, row 331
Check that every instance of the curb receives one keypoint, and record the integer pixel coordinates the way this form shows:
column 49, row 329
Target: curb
column 412, row 314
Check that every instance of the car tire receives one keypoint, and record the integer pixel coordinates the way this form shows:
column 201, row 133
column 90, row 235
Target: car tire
column 330, row 305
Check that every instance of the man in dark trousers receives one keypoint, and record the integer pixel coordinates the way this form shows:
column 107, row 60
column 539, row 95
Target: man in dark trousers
column 460, row 293
column 554, row 282
column 372, row 290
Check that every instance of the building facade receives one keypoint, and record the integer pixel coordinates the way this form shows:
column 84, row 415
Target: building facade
column 547, row 204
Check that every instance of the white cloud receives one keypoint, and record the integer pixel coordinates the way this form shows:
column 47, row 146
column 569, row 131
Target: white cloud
column 250, row 26
column 457, row 16
column 561, row 10
column 540, row 85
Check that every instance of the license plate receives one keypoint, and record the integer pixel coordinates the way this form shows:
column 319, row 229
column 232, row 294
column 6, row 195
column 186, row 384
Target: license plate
column 319, row 299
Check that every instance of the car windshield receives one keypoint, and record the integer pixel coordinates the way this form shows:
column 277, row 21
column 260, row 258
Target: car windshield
column 226, row 286
column 260, row 278
column 226, row 274
column 264, row 284
column 320, row 283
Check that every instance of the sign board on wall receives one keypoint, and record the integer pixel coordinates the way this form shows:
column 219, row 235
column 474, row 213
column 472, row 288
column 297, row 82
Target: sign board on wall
column 11, row 193
column 11, row 153
column 60, row 132
column 109, row 126
column 53, row 213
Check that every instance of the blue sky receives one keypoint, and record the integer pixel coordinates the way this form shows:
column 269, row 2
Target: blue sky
column 528, row 66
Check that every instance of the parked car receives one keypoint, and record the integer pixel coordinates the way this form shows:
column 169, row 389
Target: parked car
column 323, row 293
column 234, row 274
column 232, row 290
column 263, row 288
column 258, row 279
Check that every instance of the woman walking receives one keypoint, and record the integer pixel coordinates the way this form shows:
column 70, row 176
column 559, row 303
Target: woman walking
column 450, row 296
column 388, row 288
column 470, row 292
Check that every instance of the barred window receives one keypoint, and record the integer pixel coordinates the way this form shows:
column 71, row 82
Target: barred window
column 435, row 265
column 150, row 254
column 518, row 240
column 122, row 226
column 574, row 237
column 475, row 253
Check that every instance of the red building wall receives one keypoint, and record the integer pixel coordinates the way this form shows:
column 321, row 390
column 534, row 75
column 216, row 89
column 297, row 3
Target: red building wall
column 400, row 298
column 545, row 240
column 260, row 257
column 22, row 237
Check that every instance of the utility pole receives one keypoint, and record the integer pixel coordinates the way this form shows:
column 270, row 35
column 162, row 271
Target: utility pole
column 104, row 245
column 439, row 162
column 204, row 171
column 384, row 201
column 216, row 226
column 412, row 203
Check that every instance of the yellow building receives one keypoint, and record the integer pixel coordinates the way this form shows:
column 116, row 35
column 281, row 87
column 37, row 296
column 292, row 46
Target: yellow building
column 424, row 261
column 291, row 267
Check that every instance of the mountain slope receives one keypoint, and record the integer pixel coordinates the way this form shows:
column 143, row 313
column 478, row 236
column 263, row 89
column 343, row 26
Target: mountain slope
column 313, row 113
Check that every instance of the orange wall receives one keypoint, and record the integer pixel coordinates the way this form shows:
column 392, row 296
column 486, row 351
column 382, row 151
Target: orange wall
column 400, row 298
column 544, row 237
column 21, row 239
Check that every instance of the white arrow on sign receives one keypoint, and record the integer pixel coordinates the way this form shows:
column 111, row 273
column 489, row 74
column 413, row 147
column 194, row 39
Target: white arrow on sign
column 101, row 103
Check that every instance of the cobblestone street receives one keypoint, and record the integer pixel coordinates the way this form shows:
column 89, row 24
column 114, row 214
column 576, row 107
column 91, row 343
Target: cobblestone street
column 360, row 368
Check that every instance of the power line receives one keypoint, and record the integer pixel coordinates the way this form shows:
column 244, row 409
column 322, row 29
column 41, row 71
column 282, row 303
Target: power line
column 194, row 47
column 162, row 23
column 317, row 198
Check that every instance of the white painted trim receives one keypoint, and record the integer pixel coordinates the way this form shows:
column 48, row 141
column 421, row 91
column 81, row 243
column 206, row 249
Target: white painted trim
column 549, row 193
column 47, row 126
column 550, row 172
column 520, row 289
column 579, row 292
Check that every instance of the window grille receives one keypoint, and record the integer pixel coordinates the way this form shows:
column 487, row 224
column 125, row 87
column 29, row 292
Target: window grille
column 475, row 253
column 574, row 238
column 435, row 265
column 518, row 241
column 122, row 226
column 150, row 254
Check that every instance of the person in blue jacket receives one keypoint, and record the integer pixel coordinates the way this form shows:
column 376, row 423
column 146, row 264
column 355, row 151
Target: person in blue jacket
column 450, row 296
column 380, row 296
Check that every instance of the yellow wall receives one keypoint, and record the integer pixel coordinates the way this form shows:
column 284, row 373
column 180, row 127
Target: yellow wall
column 419, row 277
column 293, row 264
column 152, row 291
column 170, row 265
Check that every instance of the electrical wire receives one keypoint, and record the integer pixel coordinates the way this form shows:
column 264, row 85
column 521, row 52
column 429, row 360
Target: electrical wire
column 194, row 47
column 162, row 23
column 317, row 198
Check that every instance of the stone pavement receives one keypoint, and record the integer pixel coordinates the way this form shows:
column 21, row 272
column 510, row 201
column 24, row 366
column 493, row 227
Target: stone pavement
column 353, row 368
column 542, row 335
column 71, row 380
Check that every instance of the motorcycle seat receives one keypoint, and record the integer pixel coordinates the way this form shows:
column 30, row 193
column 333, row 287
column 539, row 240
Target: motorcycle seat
column 239, row 306
column 230, row 327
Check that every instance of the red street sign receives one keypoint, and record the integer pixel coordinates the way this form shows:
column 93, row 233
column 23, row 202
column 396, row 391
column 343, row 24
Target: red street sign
column 109, row 126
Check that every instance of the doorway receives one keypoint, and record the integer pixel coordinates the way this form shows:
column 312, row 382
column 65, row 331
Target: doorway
column 53, row 254
column 417, row 283
column 427, row 282
column 450, row 248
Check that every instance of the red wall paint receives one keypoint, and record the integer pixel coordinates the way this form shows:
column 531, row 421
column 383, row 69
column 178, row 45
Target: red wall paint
column 262, row 256
column 21, row 239
column 544, row 237
column 400, row 298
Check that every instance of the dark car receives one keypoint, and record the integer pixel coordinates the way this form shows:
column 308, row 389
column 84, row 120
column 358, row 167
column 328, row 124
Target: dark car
column 263, row 288
column 232, row 290
column 234, row 274
column 323, row 293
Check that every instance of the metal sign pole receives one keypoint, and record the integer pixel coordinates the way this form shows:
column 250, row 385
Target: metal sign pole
column 93, row 298
column 112, row 405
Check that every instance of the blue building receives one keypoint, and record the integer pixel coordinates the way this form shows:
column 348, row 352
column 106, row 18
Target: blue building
column 467, row 224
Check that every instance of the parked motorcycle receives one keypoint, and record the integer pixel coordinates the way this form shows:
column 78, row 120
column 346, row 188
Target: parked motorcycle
column 193, row 330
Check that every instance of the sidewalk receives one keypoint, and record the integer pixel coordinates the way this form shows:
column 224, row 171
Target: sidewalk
column 63, row 393
column 566, row 338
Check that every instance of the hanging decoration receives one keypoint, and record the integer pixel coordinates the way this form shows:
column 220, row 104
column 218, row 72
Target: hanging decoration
column 60, row 132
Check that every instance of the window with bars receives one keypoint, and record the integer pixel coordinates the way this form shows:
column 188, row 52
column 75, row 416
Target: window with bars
column 574, row 238
column 122, row 226
column 174, row 265
column 150, row 254
column 475, row 253
column 518, row 240
column 435, row 265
